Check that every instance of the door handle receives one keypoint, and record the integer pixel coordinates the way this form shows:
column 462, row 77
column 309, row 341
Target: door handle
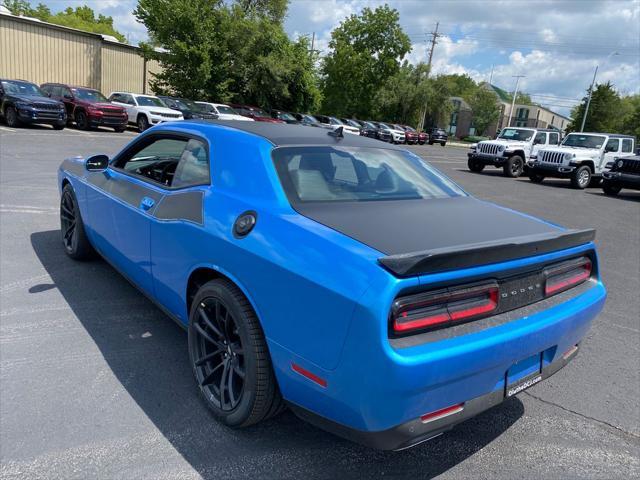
column 147, row 203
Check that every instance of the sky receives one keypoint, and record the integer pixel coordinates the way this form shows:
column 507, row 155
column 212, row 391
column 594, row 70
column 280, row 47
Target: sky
column 555, row 44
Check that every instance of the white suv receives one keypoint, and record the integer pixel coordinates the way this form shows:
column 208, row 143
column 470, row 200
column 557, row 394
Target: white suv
column 144, row 110
column 511, row 150
column 581, row 157
column 224, row 112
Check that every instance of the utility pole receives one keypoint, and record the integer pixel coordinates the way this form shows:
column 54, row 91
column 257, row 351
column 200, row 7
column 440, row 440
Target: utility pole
column 313, row 41
column 434, row 41
column 586, row 110
column 491, row 75
column 515, row 93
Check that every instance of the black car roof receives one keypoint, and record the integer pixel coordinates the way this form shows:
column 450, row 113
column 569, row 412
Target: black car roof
column 286, row 134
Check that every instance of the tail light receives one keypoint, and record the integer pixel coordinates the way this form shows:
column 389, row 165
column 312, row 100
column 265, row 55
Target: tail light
column 444, row 412
column 443, row 308
column 567, row 275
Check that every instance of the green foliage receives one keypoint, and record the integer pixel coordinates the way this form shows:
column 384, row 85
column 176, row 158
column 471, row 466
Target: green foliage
column 604, row 111
column 439, row 105
column 81, row 18
column 630, row 118
column 459, row 85
column 402, row 97
column 230, row 52
column 366, row 51
column 485, row 109
column 474, row 138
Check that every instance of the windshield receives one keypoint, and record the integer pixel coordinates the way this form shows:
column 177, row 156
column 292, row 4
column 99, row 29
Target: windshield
column 583, row 141
column 189, row 104
column 370, row 125
column 258, row 113
column 14, row 87
column 286, row 116
column 227, row 110
column 384, row 125
column 309, row 118
column 409, row 129
column 87, row 95
column 335, row 121
column 516, row 134
column 341, row 174
column 205, row 107
column 149, row 101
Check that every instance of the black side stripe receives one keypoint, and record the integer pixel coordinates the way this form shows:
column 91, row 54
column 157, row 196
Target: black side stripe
column 186, row 206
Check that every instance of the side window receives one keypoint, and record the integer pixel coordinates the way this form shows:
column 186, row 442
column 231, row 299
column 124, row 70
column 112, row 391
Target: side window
column 627, row 145
column 193, row 168
column 115, row 97
column 554, row 139
column 156, row 161
column 130, row 100
column 612, row 145
column 66, row 91
column 541, row 138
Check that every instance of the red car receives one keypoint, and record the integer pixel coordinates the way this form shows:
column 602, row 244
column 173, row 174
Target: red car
column 87, row 107
column 410, row 134
column 255, row 113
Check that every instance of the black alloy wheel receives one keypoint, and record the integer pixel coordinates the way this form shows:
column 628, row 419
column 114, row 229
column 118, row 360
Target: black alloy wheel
column 11, row 117
column 514, row 166
column 219, row 360
column 74, row 239
column 229, row 356
column 82, row 121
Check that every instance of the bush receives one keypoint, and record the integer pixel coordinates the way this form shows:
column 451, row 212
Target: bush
column 474, row 139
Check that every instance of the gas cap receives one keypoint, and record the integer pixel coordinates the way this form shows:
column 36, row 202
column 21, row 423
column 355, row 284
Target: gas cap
column 244, row 224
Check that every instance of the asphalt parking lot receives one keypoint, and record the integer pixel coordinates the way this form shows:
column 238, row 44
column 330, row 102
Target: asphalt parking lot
column 95, row 381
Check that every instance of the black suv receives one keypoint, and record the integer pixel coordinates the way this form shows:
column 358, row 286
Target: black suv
column 189, row 109
column 23, row 102
column 438, row 135
column 622, row 173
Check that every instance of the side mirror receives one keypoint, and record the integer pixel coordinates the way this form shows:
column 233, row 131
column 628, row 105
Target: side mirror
column 96, row 163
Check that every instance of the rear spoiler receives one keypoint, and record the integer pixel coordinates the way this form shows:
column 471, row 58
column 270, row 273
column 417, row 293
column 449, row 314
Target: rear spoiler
column 478, row 254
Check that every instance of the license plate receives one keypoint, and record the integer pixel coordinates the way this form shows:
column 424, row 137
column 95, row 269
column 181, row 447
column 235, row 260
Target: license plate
column 523, row 384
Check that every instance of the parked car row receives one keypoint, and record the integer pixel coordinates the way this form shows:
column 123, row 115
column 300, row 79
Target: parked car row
column 59, row 104
column 586, row 159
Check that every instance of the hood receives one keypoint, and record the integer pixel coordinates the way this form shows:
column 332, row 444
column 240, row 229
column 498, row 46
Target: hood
column 425, row 225
column 160, row 109
column 35, row 99
column 231, row 116
column 505, row 143
column 578, row 152
column 105, row 106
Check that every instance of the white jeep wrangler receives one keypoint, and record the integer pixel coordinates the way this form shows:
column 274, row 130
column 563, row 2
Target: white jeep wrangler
column 581, row 157
column 511, row 150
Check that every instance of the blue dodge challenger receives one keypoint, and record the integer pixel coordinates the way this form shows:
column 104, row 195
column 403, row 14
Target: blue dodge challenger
column 341, row 277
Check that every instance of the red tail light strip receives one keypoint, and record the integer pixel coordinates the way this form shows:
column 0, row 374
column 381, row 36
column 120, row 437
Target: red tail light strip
column 444, row 412
column 567, row 276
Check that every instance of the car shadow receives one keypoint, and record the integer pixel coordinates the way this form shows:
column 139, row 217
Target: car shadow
column 157, row 375
column 624, row 195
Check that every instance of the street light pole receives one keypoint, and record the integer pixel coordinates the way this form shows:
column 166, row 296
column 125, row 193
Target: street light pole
column 586, row 110
column 593, row 83
column 515, row 93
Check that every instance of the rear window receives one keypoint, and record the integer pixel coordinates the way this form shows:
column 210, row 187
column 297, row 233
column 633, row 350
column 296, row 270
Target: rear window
column 343, row 174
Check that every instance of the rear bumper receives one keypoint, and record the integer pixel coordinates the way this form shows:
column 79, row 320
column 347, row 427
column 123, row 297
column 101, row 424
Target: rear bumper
column 381, row 388
column 416, row 431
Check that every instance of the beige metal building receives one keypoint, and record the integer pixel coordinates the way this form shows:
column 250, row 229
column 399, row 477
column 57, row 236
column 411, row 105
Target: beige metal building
column 42, row 52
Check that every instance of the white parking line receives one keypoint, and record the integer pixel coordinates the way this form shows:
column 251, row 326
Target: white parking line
column 7, row 129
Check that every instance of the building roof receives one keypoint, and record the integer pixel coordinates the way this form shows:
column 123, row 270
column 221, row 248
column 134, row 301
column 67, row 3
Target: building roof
column 281, row 134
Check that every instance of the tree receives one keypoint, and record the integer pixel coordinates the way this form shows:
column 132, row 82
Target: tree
column 230, row 51
column 630, row 116
column 81, row 18
column 402, row 97
column 485, row 109
column 604, row 111
column 366, row 50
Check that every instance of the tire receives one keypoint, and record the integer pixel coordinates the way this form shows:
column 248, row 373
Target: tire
column 443, row 143
column 225, row 332
column 74, row 238
column 11, row 117
column 513, row 167
column 82, row 121
column 535, row 177
column 120, row 129
column 142, row 122
column 595, row 182
column 475, row 166
column 430, row 142
column 581, row 177
column 610, row 188
column 59, row 126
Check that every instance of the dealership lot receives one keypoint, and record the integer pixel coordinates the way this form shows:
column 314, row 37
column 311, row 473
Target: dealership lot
column 95, row 381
